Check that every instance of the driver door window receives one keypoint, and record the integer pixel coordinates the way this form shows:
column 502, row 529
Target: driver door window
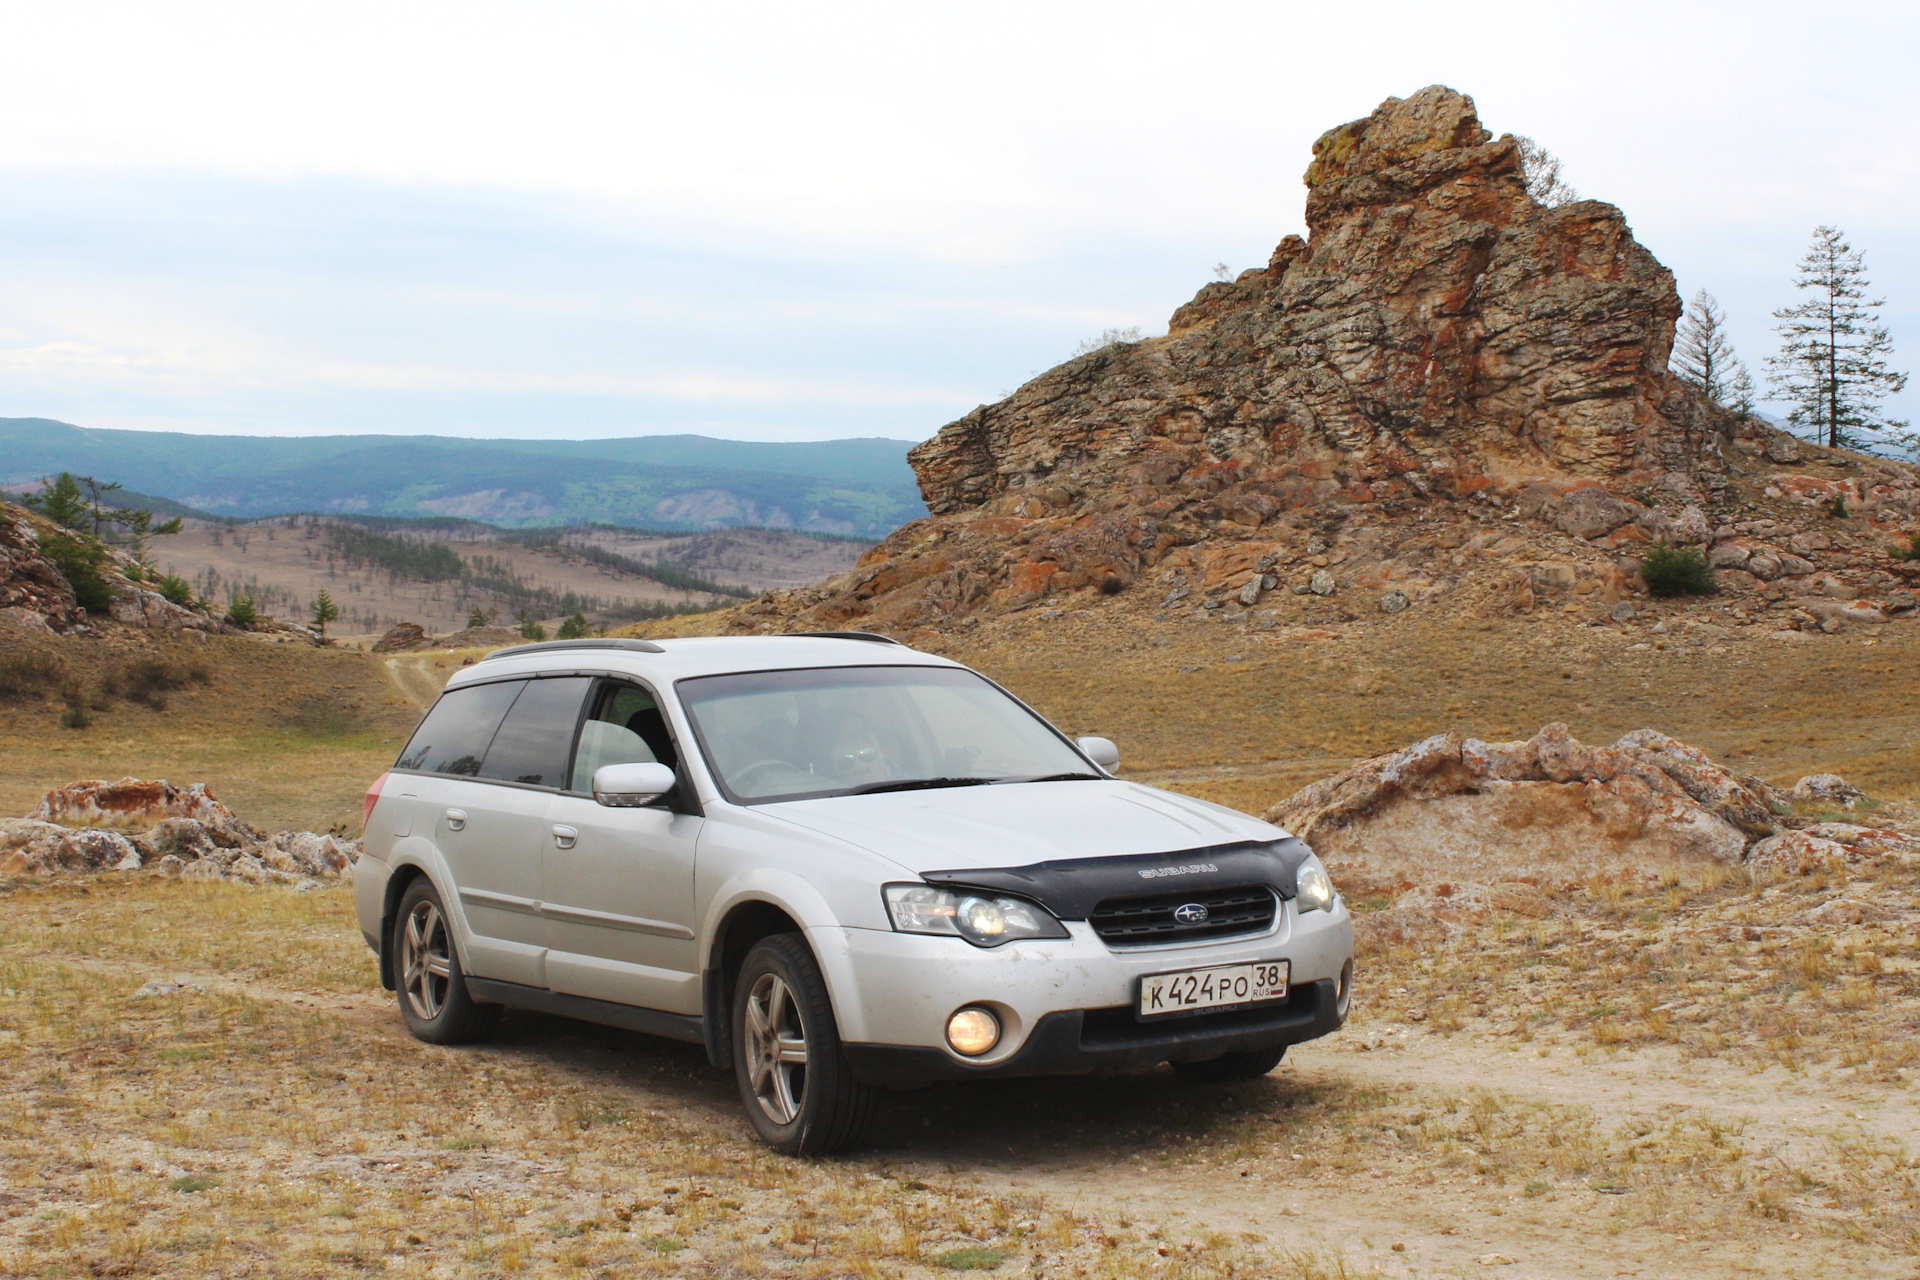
column 624, row 727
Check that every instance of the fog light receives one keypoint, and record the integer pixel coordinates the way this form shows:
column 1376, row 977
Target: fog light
column 973, row 1032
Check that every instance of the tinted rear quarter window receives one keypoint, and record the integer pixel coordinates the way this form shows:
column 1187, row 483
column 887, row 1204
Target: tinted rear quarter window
column 455, row 735
column 536, row 737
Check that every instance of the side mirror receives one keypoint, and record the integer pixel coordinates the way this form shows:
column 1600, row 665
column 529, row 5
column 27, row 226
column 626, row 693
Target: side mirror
column 1101, row 751
column 631, row 786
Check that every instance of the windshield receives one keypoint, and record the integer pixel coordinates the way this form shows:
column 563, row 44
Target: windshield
column 785, row 735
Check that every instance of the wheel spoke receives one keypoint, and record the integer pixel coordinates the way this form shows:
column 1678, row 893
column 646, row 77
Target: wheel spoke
column 756, row 1021
column 793, row 1049
column 438, row 966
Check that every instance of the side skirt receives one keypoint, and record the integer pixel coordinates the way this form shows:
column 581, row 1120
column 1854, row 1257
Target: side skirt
column 628, row 1017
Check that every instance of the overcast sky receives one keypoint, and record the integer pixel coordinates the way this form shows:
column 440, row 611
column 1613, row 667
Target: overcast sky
column 808, row 221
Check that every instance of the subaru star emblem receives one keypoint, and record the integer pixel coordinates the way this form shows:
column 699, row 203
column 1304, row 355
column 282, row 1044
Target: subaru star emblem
column 1190, row 913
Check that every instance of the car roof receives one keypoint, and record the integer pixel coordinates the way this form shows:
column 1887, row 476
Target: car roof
column 680, row 658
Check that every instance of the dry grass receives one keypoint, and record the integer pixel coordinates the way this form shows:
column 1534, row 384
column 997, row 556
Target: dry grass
column 272, row 1118
column 286, row 734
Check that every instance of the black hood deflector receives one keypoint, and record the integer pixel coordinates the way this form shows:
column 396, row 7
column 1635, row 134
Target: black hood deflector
column 1071, row 887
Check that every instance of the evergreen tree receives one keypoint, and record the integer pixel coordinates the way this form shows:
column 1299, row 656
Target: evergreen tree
column 574, row 628
column 1832, row 363
column 1542, row 169
column 1703, row 355
column 324, row 611
column 62, row 503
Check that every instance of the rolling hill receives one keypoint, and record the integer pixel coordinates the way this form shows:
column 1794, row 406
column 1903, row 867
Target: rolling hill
column 858, row 487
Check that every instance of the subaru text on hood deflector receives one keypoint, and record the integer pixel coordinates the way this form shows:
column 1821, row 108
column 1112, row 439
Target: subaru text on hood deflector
column 1071, row 887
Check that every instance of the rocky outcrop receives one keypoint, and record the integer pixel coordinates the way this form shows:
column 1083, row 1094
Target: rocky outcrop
column 1442, row 362
column 185, row 832
column 403, row 637
column 1552, row 801
column 141, row 802
column 33, row 594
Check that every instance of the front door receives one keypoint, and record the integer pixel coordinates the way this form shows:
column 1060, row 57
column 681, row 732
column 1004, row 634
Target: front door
column 618, row 883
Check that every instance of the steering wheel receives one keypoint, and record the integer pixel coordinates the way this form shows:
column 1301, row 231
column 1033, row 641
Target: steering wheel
column 747, row 780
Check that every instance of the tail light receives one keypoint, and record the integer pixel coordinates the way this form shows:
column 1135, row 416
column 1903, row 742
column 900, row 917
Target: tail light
column 373, row 798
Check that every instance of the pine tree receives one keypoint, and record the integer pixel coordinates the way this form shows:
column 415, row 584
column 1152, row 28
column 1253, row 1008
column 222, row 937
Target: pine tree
column 324, row 611
column 1704, row 356
column 1542, row 170
column 62, row 503
column 1832, row 363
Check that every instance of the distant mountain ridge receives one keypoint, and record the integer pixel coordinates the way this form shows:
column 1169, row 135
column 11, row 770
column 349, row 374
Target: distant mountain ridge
column 859, row 486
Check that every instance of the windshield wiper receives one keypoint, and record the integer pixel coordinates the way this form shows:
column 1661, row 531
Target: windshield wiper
column 918, row 784
column 1057, row 777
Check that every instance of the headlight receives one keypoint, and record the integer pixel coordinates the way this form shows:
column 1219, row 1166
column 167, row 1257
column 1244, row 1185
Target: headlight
column 1313, row 890
column 985, row 920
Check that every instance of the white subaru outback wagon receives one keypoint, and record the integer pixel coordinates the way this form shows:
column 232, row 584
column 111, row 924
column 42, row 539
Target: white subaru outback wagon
column 836, row 863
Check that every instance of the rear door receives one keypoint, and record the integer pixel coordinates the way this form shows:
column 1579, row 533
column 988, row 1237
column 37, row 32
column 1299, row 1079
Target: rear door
column 524, row 767
column 497, row 895
column 618, row 886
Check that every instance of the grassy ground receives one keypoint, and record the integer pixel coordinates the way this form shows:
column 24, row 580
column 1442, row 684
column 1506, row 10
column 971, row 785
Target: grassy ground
column 286, row 734
column 1497, row 1096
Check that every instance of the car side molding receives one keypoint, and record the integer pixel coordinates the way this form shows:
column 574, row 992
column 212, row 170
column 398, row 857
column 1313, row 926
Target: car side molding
column 628, row 1017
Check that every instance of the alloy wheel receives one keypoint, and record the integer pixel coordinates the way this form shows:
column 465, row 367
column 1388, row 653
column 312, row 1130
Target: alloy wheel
column 426, row 960
column 776, row 1048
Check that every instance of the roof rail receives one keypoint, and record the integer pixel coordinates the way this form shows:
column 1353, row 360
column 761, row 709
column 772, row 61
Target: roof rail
column 548, row 646
column 869, row 636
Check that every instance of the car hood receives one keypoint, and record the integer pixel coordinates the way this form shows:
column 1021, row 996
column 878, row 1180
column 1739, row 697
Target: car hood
column 1019, row 824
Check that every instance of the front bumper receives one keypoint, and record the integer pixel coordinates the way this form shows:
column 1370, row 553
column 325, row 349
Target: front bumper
column 1066, row 1005
column 1079, row 1040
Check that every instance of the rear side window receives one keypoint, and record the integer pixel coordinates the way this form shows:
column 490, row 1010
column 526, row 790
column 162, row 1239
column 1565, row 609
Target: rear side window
column 535, row 738
column 454, row 736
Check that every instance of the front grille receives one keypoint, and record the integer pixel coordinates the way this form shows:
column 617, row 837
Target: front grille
column 1145, row 921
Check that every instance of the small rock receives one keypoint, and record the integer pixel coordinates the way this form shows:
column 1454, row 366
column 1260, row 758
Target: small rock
column 1623, row 612
column 1250, row 594
column 1827, row 788
column 1321, row 583
column 159, row 987
column 1393, row 602
column 1494, row 1260
column 1784, row 450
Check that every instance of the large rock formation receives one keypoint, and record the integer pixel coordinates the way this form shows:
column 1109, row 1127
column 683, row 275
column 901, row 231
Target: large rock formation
column 1441, row 346
column 184, row 832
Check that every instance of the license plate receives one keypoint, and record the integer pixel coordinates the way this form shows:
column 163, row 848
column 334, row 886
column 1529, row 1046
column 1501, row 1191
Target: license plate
column 1220, row 987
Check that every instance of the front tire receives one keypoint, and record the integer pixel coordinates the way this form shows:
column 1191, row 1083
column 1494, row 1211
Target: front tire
column 1249, row 1064
column 795, row 1083
column 434, row 1001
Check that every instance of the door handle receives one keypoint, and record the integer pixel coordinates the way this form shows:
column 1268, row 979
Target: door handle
column 456, row 819
column 564, row 836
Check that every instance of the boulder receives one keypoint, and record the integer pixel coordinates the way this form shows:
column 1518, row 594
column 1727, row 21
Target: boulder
column 1549, row 799
column 403, row 637
column 142, row 802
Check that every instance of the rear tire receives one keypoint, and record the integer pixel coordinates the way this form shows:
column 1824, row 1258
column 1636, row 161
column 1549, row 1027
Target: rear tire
column 795, row 1082
column 434, row 1001
column 1248, row 1064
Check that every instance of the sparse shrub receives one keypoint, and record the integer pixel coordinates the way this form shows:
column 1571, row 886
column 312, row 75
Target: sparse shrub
column 148, row 681
column 1112, row 585
column 28, row 675
column 480, row 618
column 176, row 590
column 530, row 629
column 81, row 562
column 1677, row 571
column 135, row 573
column 76, row 716
column 1909, row 552
column 574, row 628
column 241, row 613
column 1837, row 508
